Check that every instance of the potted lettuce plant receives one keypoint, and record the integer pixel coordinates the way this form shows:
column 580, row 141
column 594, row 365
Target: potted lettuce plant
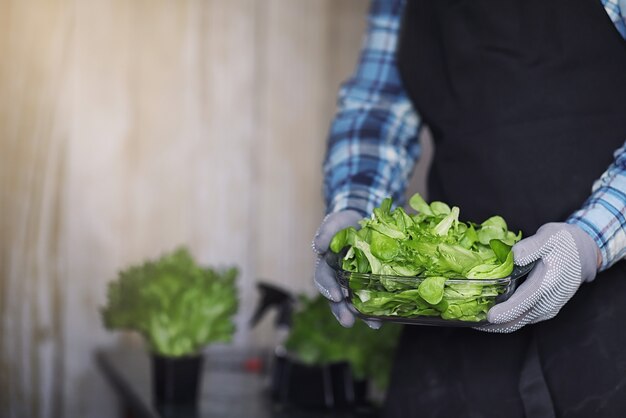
column 328, row 365
column 178, row 307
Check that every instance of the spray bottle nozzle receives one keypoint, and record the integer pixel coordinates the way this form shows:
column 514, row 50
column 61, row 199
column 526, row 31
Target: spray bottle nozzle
column 273, row 296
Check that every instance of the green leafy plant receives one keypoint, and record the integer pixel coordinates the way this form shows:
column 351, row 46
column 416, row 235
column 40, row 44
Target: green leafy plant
column 177, row 305
column 434, row 246
column 316, row 338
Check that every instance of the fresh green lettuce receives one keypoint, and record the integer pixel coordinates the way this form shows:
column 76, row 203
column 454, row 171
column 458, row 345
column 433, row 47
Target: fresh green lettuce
column 427, row 248
column 178, row 306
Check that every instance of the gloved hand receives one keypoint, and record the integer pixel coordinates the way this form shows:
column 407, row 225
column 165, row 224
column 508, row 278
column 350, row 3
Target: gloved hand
column 567, row 256
column 324, row 275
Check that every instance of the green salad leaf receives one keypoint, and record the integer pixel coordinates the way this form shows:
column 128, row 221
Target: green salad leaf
column 428, row 247
column 177, row 305
column 316, row 338
column 431, row 289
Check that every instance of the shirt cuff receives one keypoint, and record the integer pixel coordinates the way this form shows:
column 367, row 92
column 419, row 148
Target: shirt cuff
column 603, row 219
column 362, row 199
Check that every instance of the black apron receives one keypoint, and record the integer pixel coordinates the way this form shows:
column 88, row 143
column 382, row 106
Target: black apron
column 526, row 100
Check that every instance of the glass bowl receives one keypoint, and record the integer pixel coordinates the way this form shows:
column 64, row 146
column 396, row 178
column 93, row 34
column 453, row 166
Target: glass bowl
column 464, row 302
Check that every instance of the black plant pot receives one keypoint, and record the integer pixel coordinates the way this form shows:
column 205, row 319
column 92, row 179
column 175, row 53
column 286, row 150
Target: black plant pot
column 175, row 380
column 316, row 387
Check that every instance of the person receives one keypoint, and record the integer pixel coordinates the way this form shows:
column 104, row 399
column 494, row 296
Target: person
column 526, row 102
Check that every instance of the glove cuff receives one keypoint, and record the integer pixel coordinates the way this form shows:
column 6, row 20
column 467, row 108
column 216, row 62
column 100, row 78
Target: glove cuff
column 588, row 251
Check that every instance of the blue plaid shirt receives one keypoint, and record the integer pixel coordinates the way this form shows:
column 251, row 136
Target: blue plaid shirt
column 373, row 143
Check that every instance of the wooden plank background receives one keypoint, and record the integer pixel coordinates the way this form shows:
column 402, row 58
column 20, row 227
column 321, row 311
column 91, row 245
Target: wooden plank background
column 129, row 127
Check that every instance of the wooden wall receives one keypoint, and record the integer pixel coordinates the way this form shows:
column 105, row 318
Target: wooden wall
column 129, row 127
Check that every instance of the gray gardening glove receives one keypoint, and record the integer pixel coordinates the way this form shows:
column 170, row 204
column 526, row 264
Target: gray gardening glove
column 567, row 256
column 324, row 275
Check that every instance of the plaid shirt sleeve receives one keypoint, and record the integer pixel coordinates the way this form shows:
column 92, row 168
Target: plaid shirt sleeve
column 603, row 215
column 372, row 146
column 616, row 9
